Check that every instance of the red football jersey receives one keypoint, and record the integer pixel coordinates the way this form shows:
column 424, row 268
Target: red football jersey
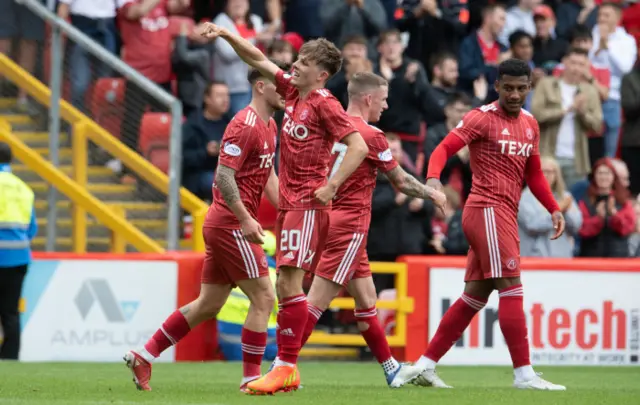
column 249, row 147
column 499, row 147
column 309, row 130
column 354, row 196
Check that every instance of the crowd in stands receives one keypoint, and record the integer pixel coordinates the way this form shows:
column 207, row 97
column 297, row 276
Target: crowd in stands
column 440, row 58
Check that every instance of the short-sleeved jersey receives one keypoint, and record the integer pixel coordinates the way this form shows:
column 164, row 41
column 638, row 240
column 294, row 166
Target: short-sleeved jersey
column 499, row 147
column 248, row 146
column 354, row 196
column 310, row 128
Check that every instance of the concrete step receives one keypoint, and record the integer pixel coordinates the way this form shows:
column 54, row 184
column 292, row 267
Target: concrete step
column 39, row 138
column 154, row 228
column 93, row 244
column 65, row 155
column 95, row 174
column 102, row 191
column 133, row 209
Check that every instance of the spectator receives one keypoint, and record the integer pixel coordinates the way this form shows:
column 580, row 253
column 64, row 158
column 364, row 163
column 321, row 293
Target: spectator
column 19, row 226
column 301, row 16
column 547, row 50
column 227, row 65
column 96, row 19
column 342, row 19
column 409, row 99
column 146, row 38
column 617, row 50
column 608, row 215
column 448, row 236
column 443, row 85
column 456, row 107
column 521, row 47
column 397, row 221
column 282, row 51
column 575, row 12
column 192, row 66
column 480, row 52
column 634, row 239
column 202, row 133
column 567, row 109
column 622, row 171
column 18, row 22
column 426, row 20
column 630, row 140
column 355, row 53
column 520, row 17
column 534, row 222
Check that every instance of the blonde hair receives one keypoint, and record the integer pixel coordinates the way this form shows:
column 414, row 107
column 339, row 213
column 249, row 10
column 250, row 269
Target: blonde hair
column 558, row 188
column 365, row 82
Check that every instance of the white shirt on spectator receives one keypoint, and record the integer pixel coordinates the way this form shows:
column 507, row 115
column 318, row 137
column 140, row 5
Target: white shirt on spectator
column 93, row 9
column 619, row 57
column 565, row 147
column 517, row 19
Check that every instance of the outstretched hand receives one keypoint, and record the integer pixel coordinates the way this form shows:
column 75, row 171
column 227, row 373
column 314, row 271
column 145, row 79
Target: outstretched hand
column 558, row 224
column 209, row 31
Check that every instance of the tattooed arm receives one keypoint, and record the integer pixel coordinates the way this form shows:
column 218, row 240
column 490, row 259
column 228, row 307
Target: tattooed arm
column 409, row 185
column 226, row 183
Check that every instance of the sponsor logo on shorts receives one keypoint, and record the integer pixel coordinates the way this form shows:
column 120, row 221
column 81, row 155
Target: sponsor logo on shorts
column 385, row 156
column 232, row 150
column 289, row 256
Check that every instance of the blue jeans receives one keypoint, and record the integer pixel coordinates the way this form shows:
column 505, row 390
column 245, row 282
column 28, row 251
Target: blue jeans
column 200, row 184
column 103, row 31
column 238, row 101
column 229, row 339
column 611, row 112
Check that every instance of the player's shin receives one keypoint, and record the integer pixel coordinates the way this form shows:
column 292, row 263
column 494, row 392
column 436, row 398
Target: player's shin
column 292, row 315
column 321, row 293
column 514, row 328
column 453, row 324
column 254, row 342
column 374, row 335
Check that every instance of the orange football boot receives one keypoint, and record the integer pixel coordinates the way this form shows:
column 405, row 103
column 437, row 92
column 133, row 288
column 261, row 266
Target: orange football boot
column 280, row 379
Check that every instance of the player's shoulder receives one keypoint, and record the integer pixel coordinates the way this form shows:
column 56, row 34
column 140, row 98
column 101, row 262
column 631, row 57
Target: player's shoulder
column 323, row 98
column 246, row 117
column 479, row 116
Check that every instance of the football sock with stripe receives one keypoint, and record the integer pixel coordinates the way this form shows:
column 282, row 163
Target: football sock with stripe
column 253, row 346
column 514, row 329
column 174, row 328
column 312, row 319
column 375, row 337
column 292, row 322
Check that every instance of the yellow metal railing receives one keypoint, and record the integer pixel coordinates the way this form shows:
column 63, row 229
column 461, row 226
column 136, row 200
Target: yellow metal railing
column 82, row 199
column 85, row 129
column 403, row 305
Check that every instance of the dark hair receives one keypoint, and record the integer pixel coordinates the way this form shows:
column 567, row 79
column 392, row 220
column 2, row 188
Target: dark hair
column 576, row 51
column 490, row 8
column 439, row 58
column 384, row 35
column 581, row 31
column 5, row 153
column 324, row 53
column 355, row 39
column 514, row 67
column 459, row 97
column 280, row 45
column 210, row 85
column 255, row 75
column 247, row 17
column 518, row 36
column 619, row 192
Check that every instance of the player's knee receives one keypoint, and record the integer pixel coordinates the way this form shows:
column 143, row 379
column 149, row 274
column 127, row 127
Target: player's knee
column 366, row 301
column 206, row 309
column 264, row 301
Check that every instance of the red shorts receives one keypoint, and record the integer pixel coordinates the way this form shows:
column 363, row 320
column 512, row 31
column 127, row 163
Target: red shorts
column 344, row 256
column 229, row 257
column 301, row 238
column 494, row 244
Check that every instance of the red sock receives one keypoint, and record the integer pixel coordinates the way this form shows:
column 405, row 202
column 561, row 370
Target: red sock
column 452, row 325
column 293, row 318
column 312, row 319
column 514, row 325
column 173, row 329
column 253, row 345
column 278, row 339
column 374, row 335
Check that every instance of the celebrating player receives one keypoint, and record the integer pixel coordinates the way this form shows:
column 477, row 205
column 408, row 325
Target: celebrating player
column 313, row 121
column 344, row 261
column 503, row 146
column 233, row 237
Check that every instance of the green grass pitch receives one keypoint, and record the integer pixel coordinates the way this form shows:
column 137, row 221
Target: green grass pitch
column 325, row 383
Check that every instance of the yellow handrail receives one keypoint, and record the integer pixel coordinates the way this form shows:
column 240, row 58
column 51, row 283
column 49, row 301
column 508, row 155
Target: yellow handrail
column 77, row 194
column 403, row 305
column 105, row 140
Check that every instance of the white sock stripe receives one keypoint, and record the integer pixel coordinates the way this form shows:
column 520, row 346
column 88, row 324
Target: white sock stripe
column 256, row 352
column 347, row 259
column 494, row 230
column 168, row 336
column 248, row 264
column 316, row 312
column 518, row 292
column 253, row 346
column 297, row 299
column 366, row 314
column 467, row 298
column 472, row 304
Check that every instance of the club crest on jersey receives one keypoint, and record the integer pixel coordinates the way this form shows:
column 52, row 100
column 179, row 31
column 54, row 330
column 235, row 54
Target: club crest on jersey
column 304, row 115
column 512, row 264
column 385, row 156
column 529, row 133
column 232, row 150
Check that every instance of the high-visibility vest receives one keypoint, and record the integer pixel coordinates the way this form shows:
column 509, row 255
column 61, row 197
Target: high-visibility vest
column 236, row 308
column 16, row 207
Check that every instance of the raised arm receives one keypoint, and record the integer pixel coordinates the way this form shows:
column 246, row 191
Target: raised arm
column 251, row 55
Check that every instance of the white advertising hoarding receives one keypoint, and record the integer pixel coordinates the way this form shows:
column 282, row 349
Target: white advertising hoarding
column 95, row 310
column 574, row 318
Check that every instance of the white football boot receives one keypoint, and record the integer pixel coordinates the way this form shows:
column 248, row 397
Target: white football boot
column 404, row 374
column 429, row 378
column 537, row 383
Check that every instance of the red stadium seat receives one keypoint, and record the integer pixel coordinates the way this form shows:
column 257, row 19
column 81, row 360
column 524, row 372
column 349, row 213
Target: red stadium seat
column 158, row 155
column 155, row 130
column 107, row 103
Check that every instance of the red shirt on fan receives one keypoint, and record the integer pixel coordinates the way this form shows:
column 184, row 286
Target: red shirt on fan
column 354, row 196
column 309, row 130
column 249, row 147
column 499, row 147
column 147, row 41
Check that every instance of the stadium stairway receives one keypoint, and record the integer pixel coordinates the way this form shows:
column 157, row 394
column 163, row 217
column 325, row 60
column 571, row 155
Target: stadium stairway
column 148, row 216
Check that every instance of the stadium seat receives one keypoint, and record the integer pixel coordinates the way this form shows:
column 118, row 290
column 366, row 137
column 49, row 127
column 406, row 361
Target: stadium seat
column 107, row 103
column 158, row 155
column 155, row 130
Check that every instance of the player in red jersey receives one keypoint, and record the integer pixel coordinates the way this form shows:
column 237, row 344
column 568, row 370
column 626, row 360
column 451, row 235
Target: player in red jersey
column 313, row 121
column 503, row 147
column 344, row 261
column 233, row 237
